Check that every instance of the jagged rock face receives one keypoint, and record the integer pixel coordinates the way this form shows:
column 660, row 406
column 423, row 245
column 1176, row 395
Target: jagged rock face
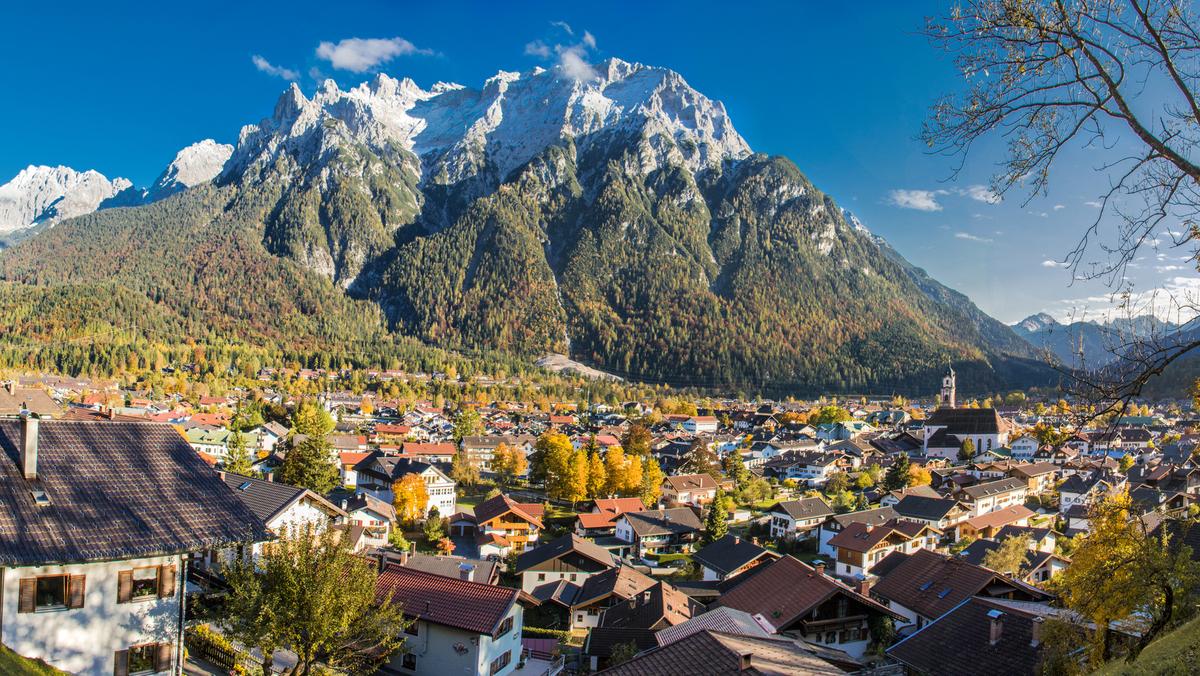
column 40, row 194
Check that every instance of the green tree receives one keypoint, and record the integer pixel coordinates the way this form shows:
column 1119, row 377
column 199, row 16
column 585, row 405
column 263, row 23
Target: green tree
column 434, row 529
column 652, row 478
column 622, row 653
column 312, row 595
column 735, row 469
column 716, row 523
column 1126, row 463
column 1009, row 557
column 838, row 482
column 897, row 476
column 701, row 459
column 966, row 450
column 309, row 464
column 467, row 424
column 237, row 459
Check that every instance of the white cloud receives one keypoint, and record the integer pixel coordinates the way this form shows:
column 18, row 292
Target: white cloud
column 572, row 58
column 973, row 238
column 1058, row 207
column 1175, row 300
column 1092, row 203
column 1050, row 264
column 358, row 55
column 980, row 193
column 271, row 69
column 921, row 200
column 1168, row 268
column 574, row 63
column 537, row 48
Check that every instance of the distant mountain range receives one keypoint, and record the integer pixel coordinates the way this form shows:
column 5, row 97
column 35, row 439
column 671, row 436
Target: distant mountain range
column 619, row 220
column 1087, row 343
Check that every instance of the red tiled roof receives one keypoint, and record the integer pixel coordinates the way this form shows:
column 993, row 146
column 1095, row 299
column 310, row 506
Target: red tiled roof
column 448, row 601
column 859, row 537
column 350, row 459
column 385, row 428
column 428, row 449
column 620, row 505
column 1001, row 517
column 501, row 505
column 597, row 519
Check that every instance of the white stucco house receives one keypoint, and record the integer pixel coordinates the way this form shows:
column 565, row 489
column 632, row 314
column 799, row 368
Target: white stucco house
column 461, row 627
column 98, row 520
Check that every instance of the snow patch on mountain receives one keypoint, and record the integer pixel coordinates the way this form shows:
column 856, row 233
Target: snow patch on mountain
column 1037, row 322
column 41, row 194
column 460, row 132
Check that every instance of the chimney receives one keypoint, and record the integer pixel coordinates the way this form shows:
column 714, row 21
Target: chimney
column 745, row 661
column 29, row 444
column 754, row 541
column 11, row 386
column 819, row 566
column 737, row 540
column 995, row 626
column 864, row 586
column 465, row 570
column 1036, row 630
column 221, row 473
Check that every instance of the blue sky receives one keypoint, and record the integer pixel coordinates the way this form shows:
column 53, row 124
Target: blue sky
column 840, row 88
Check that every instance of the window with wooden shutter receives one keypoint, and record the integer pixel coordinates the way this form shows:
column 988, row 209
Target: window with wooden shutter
column 25, row 599
column 121, row 663
column 166, row 581
column 76, row 590
column 124, row 586
column 165, row 653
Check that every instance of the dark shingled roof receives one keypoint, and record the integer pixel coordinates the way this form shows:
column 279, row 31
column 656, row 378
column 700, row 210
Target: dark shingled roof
column 932, row 584
column 448, row 601
column 451, row 566
column 709, row 653
column 927, row 509
column 564, row 545
column 601, row 640
column 967, row 421
column 729, row 553
column 663, row 521
column 958, row 643
column 117, row 490
column 268, row 498
column 805, row 508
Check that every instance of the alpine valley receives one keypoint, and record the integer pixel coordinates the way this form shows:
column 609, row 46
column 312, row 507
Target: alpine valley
column 620, row 220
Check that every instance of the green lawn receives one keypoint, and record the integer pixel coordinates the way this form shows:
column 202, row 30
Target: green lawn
column 467, row 503
column 12, row 663
column 1176, row 653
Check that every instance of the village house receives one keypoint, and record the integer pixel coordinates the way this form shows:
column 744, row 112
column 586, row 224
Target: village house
column 1039, row 477
column 803, row 602
column 502, row 525
column 941, row 513
column 97, row 522
column 583, row 604
column 992, row 495
column 379, row 472
column 730, row 556
column 987, row 525
column 860, row 546
column 1037, row 568
column 660, row 531
column 838, row 522
column 688, row 489
column 925, row 585
column 461, row 626
column 280, row 507
column 373, row 515
column 601, row 521
column 797, row 519
column 568, row 557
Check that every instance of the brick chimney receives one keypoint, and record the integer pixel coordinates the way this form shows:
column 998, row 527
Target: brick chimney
column 995, row 626
column 29, row 444
column 864, row 586
column 1036, row 630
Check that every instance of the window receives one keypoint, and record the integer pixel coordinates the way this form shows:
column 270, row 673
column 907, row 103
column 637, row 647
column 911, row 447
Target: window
column 145, row 583
column 572, row 577
column 411, row 629
column 541, row 577
column 142, row 659
column 51, row 592
column 500, row 662
column 505, row 627
column 409, row 661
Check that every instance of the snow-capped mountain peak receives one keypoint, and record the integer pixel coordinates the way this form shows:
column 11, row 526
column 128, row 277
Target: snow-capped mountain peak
column 459, row 132
column 42, row 194
column 195, row 164
column 1037, row 322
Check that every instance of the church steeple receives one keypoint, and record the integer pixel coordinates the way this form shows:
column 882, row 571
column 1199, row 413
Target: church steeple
column 949, row 387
